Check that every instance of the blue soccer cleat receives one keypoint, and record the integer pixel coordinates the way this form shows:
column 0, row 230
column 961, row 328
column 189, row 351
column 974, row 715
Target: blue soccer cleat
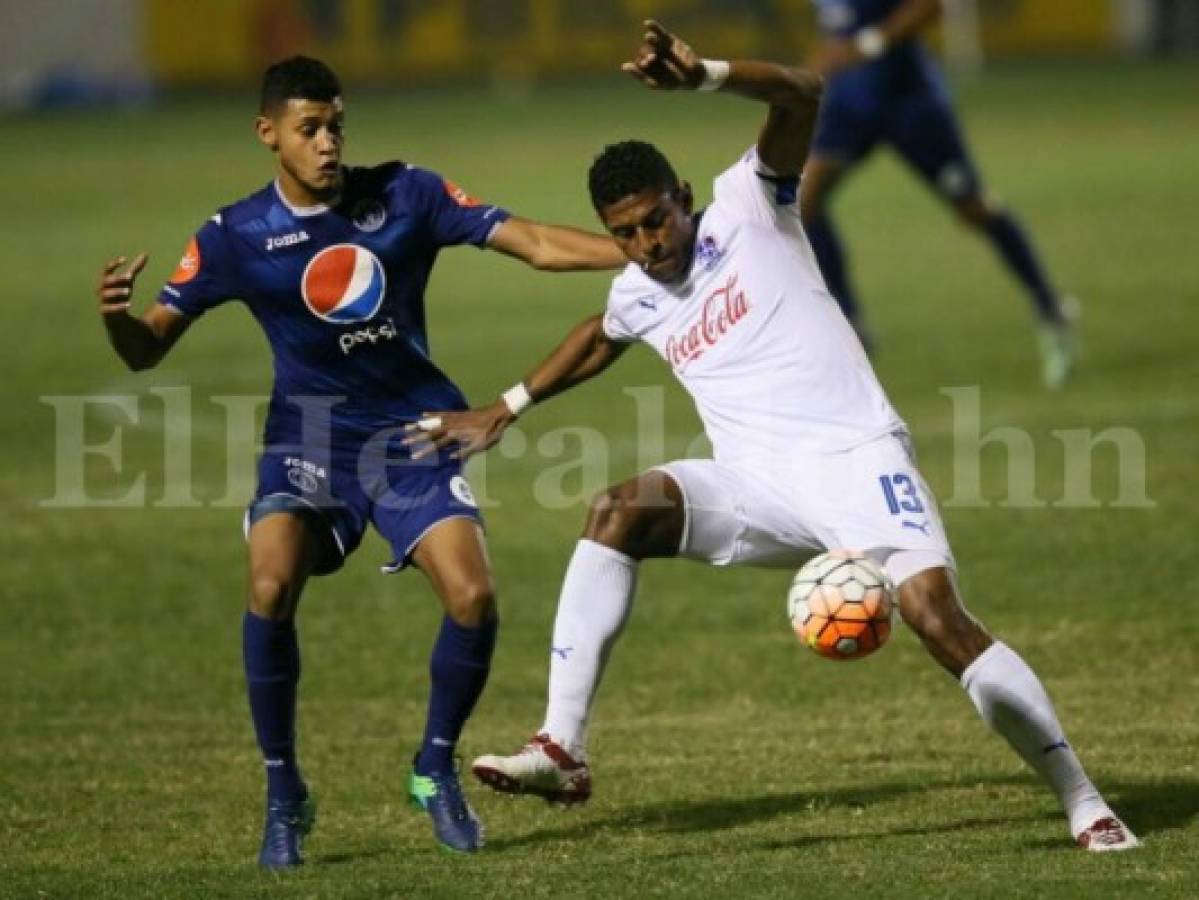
column 287, row 823
column 455, row 824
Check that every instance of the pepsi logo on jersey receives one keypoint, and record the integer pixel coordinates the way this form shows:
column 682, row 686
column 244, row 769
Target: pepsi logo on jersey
column 348, row 340
column 343, row 283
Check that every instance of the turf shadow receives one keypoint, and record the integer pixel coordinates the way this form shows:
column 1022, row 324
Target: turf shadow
column 1153, row 805
column 718, row 814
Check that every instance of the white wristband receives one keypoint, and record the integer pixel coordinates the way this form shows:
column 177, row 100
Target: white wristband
column 716, row 73
column 517, row 399
column 870, row 42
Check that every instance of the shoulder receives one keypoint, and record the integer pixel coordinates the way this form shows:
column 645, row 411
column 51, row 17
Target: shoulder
column 247, row 217
column 377, row 179
column 630, row 284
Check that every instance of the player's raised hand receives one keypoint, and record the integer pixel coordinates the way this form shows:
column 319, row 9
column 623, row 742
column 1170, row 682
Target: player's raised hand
column 469, row 432
column 664, row 62
column 115, row 289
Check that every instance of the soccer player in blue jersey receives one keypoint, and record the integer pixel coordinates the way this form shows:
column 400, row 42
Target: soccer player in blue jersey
column 332, row 262
column 882, row 86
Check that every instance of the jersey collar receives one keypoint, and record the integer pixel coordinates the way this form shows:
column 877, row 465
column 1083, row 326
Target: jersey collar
column 303, row 212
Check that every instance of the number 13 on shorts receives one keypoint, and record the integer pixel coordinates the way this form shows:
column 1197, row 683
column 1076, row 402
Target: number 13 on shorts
column 900, row 492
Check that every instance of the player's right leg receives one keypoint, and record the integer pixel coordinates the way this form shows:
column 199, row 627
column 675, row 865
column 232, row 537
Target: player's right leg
column 1009, row 697
column 288, row 541
column 639, row 519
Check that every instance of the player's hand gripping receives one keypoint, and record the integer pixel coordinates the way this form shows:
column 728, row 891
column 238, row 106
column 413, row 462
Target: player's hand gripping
column 664, row 62
column 471, row 432
column 115, row 289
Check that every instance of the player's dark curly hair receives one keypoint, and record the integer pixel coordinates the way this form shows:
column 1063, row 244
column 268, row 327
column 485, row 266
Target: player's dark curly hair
column 298, row 78
column 628, row 168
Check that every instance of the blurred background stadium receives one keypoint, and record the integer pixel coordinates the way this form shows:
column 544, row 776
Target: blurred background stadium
column 72, row 52
column 127, row 762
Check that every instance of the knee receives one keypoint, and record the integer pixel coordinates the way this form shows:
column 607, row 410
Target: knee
column 470, row 602
column 272, row 596
column 930, row 606
column 976, row 212
column 616, row 520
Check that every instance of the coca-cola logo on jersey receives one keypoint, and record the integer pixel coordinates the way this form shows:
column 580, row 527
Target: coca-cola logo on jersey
column 723, row 309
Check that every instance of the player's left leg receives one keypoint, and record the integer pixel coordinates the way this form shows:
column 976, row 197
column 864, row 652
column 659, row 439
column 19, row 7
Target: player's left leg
column 1008, row 695
column 453, row 556
column 925, row 133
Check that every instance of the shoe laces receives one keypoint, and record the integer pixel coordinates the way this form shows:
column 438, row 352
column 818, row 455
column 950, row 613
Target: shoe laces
column 450, row 796
column 1107, row 831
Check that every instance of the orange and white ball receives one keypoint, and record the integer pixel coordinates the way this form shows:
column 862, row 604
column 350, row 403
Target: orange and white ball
column 842, row 605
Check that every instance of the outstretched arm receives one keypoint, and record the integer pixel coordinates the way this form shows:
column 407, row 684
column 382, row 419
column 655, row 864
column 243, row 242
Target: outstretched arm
column 554, row 248
column 664, row 62
column 140, row 342
column 585, row 353
column 905, row 22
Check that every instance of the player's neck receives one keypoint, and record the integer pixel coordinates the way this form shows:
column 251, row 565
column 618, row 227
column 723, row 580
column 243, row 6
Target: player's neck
column 299, row 197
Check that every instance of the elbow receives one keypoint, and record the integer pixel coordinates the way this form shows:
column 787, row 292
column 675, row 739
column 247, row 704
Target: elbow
column 142, row 363
column 804, row 91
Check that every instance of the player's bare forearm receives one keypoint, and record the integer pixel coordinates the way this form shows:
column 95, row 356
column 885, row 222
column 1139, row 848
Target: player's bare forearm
column 133, row 341
column 554, row 248
column 585, row 353
column 665, row 62
column 140, row 342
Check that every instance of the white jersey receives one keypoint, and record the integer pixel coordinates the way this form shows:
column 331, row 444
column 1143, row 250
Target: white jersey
column 753, row 334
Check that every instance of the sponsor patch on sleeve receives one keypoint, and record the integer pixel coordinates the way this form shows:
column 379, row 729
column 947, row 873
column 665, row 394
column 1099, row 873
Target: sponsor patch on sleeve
column 189, row 265
column 458, row 195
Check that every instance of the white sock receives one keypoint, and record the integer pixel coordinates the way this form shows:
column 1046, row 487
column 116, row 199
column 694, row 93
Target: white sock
column 1011, row 699
column 597, row 594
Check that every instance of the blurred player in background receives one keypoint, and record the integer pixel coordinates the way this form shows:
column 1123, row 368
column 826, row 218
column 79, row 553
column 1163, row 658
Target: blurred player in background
column 332, row 262
column 809, row 453
column 882, row 86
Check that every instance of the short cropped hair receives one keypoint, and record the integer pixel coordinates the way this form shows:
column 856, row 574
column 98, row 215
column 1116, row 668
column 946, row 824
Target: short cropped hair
column 298, row 78
column 628, row 168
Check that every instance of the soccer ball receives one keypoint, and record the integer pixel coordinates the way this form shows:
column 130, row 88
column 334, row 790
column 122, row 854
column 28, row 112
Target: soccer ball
column 842, row 605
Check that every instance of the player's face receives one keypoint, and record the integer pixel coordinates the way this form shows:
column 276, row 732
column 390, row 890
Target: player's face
column 308, row 136
column 655, row 231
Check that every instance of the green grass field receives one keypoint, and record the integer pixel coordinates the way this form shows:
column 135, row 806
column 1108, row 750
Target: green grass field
column 728, row 761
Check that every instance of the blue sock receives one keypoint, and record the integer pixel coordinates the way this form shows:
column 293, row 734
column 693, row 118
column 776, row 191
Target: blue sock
column 831, row 258
column 1013, row 245
column 272, row 660
column 458, row 671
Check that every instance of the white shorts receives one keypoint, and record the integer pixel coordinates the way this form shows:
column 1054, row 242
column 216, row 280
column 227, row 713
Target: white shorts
column 870, row 499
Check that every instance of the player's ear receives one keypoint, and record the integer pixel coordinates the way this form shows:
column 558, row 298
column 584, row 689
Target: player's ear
column 264, row 127
column 685, row 197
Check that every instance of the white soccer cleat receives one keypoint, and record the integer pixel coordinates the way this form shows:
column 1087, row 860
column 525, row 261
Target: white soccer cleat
column 542, row 768
column 1107, row 835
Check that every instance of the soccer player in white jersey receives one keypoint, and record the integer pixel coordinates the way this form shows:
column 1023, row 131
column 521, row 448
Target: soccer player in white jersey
column 808, row 452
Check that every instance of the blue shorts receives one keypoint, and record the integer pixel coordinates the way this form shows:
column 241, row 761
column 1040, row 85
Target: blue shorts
column 921, row 126
column 340, row 491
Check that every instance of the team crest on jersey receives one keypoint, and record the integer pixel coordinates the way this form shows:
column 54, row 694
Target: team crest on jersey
column 461, row 491
column 189, row 265
column 344, row 283
column 459, row 196
column 368, row 215
column 708, row 253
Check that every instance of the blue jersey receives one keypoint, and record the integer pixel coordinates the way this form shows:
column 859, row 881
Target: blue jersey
column 903, row 70
column 339, row 292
